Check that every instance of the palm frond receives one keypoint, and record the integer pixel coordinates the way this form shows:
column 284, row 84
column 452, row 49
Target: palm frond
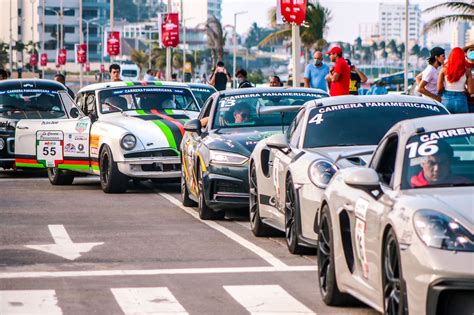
column 438, row 23
column 461, row 6
column 276, row 36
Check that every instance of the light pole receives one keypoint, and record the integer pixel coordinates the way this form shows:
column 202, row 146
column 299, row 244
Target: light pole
column 184, row 45
column 43, row 35
column 87, row 34
column 102, row 45
column 33, row 30
column 234, row 38
column 11, row 40
column 168, row 50
column 405, row 81
column 58, row 41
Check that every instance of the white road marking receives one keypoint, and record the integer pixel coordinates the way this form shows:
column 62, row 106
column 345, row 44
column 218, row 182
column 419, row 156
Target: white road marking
column 267, row 299
column 29, row 302
column 265, row 255
column 151, row 272
column 147, row 301
column 63, row 245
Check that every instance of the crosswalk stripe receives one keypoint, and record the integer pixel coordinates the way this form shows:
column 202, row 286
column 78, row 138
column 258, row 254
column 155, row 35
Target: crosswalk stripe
column 157, row 301
column 267, row 299
column 29, row 302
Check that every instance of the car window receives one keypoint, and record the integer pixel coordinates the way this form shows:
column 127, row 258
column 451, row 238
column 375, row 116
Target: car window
column 360, row 123
column 296, row 134
column 386, row 157
column 202, row 94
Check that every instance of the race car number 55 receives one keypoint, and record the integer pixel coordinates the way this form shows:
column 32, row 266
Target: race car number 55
column 49, row 147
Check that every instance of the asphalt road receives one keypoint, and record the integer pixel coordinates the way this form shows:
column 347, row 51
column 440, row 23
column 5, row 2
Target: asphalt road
column 140, row 253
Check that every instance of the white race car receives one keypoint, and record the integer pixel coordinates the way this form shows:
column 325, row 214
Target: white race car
column 289, row 172
column 123, row 130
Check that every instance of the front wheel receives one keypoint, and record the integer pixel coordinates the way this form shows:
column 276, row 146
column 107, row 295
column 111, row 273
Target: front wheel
column 111, row 180
column 59, row 177
column 394, row 294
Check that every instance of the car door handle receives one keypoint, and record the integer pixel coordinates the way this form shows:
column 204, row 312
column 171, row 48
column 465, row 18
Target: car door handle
column 22, row 127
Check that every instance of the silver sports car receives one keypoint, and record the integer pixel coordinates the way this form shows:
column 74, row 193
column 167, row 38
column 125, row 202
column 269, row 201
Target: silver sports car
column 288, row 173
column 398, row 234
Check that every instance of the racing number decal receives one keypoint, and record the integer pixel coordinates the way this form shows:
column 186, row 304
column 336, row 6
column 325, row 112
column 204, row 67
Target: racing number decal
column 426, row 148
column 317, row 119
column 50, row 148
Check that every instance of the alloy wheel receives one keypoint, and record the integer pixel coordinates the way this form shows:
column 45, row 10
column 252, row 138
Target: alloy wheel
column 324, row 254
column 253, row 196
column 391, row 274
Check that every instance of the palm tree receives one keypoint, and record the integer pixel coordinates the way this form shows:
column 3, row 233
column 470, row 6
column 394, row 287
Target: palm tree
column 215, row 38
column 459, row 11
column 415, row 51
column 140, row 58
column 3, row 54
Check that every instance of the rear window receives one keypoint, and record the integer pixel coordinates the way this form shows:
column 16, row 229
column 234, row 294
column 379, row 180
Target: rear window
column 129, row 73
column 31, row 104
column 360, row 123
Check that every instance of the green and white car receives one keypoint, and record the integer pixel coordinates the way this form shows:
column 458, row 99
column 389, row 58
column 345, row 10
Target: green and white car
column 121, row 130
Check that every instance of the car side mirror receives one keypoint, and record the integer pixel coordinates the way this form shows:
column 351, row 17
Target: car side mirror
column 278, row 142
column 364, row 178
column 193, row 125
column 74, row 113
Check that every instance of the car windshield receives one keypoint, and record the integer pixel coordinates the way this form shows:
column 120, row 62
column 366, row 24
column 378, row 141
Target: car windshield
column 147, row 99
column 202, row 94
column 443, row 158
column 360, row 123
column 244, row 109
column 31, row 103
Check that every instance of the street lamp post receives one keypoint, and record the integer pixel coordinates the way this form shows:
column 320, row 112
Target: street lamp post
column 184, row 45
column 58, row 41
column 234, row 38
column 43, row 36
column 11, row 40
column 405, row 81
column 33, row 30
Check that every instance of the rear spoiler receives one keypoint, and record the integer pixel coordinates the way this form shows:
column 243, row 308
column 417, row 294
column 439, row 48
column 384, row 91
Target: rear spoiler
column 262, row 110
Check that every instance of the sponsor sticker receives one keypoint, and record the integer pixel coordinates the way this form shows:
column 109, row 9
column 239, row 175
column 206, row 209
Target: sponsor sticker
column 360, row 246
column 81, row 126
column 70, row 148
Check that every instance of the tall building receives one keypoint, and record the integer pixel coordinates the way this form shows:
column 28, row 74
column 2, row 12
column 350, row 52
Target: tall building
column 198, row 11
column 392, row 23
column 40, row 21
column 461, row 34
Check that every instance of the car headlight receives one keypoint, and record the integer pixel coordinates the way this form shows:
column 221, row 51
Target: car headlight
column 222, row 157
column 320, row 172
column 128, row 142
column 438, row 230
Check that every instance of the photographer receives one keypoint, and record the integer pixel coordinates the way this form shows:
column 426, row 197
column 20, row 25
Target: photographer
column 219, row 77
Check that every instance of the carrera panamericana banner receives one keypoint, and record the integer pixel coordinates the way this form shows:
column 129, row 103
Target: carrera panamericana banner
column 44, row 59
column 113, row 44
column 62, row 57
column 293, row 11
column 34, row 60
column 170, row 30
column 81, row 53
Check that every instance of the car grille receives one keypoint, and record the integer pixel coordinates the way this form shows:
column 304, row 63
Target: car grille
column 154, row 153
column 160, row 167
column 221, row 186
column 457, row 302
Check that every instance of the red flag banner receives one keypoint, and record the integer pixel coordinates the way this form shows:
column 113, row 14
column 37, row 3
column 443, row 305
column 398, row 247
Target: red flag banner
column 170, row 30
column 81, row 53
column 293, row 11
column 34, row 60
column 88, row 67
column 113, row 44
column 44, row 60
column 102, row 68
column 62, row 57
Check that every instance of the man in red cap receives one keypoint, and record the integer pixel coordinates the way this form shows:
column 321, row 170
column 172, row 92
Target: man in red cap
column 340, row 76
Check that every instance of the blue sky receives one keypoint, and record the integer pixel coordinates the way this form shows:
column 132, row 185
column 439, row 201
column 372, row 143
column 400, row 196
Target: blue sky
column 346, row 16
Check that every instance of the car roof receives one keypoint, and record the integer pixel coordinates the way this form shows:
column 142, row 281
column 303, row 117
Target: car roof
column 270, row 90
column 109, row 85
column 31, row 83
column 201, row 85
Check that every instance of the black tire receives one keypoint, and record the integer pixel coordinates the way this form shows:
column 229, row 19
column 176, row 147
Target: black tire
column 326, row 274
column 59, row 177
column 258, row 228
column 111, row 180
column 292, row 230
column 206, row 213
column 185, row 200
column 394, row 291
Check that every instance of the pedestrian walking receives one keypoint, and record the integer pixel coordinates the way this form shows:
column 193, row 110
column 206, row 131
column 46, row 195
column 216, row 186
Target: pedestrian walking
column 316, row 72
column 62, row 79
column 453, row 82
column 357, row 77
column 469, row 50
column 3, row 74
column 429, row 76
column 241, row 76
column 340, row 75
column 114, row 71
column 220, row 77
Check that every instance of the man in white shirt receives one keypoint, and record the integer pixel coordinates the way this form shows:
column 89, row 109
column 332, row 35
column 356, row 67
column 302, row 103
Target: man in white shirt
column 429, row 76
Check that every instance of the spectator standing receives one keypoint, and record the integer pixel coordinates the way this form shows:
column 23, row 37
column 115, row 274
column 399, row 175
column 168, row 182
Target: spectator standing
column 275, row 81
column 339, row 76
column 220, row 77
column 378, row 89
column 357, row 77
column 62, row 79
column 315, row 73
column 429, row 76
column 453, row 79
column 3, row 75
column 114, row 71
column 469, row 50
column 241, row 76
column 150, row 75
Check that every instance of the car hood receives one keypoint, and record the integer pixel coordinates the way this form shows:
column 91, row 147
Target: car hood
column 332, row 153
column 239, row 140
column 9, row 123
column 456, row 202
column 154, row 130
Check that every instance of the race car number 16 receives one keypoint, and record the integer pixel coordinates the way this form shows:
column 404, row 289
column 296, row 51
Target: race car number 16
column 49, row 147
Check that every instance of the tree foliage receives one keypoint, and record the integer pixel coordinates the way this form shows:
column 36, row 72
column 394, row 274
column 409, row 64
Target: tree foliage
column 451, row 12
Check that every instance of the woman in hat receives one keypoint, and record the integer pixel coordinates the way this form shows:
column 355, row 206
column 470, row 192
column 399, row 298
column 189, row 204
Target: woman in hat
column 454, row 79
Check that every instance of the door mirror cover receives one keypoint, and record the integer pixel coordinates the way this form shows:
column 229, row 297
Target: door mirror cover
column 361, row 176
column 278, row 141
column 193, row 125
column 74, row 113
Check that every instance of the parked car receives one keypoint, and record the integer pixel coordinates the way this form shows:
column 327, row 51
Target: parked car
column 398, row 234
column 27, row 99
column 127, row 130
column 202, row 92
column 289, row 172
column 216, row 147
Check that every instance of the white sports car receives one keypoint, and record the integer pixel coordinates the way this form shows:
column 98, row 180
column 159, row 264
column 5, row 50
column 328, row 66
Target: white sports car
column 398, row 234
column 289, row 172
column 126, row 130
